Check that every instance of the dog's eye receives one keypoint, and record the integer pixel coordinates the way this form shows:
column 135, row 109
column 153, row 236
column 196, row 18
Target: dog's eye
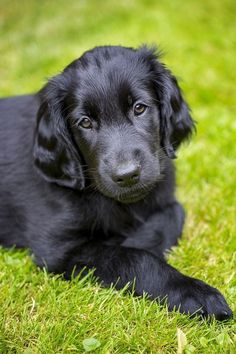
column 139, row 109
column 86, row 123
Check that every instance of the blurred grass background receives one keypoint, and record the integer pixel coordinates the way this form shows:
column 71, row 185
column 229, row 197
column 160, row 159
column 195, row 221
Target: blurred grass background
column 43, row 314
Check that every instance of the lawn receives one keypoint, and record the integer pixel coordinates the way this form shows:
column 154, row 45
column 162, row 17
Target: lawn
column 41, row 313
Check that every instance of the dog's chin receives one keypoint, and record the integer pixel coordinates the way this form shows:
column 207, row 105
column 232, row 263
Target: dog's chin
column 131, row 198
column 127, row 196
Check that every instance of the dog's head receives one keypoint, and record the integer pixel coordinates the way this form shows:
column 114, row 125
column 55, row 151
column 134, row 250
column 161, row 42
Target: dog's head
column 110, row 120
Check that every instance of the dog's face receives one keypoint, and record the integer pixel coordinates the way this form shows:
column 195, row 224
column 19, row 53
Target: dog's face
column 110, row 120
column 115, row 124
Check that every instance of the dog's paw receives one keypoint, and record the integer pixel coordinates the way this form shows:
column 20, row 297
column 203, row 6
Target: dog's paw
column 194, row 297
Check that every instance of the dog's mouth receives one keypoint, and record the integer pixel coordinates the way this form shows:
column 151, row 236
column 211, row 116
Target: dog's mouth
column 126, row 195
column 133, row 197
column 136, row 193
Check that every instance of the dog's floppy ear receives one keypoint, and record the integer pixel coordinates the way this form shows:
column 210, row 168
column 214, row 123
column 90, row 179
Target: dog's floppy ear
column 176, row 122
column 55, row 155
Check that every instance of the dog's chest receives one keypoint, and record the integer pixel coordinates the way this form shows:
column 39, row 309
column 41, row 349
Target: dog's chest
column 109, row 219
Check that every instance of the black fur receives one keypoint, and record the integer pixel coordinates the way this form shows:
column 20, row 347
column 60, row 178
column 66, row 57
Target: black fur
column 99, row 192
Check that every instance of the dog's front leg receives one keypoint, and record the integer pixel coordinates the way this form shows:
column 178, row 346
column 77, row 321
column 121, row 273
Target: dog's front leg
column 159, row 232
column 147, row 273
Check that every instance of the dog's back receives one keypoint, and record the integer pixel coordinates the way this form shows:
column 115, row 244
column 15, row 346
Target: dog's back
column 17, row 124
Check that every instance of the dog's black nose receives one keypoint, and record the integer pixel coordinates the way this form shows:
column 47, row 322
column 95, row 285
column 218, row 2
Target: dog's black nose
column 126, row 175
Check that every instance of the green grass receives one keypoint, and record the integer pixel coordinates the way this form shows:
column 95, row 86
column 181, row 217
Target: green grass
column 40, row 313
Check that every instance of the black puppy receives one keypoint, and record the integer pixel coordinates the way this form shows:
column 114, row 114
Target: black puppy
column 91, row 183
